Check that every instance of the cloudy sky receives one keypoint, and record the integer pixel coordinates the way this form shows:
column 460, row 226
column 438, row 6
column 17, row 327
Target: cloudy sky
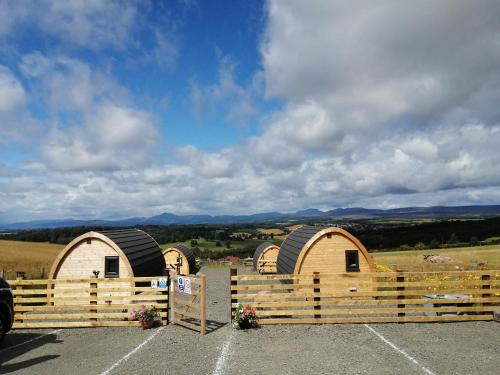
column 113, row 109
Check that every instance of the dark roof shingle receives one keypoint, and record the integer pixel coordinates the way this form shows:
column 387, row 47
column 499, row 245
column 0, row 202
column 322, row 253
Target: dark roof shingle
column 142, row 251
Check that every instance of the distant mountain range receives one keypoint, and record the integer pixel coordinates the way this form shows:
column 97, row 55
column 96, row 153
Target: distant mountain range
column 267, row 217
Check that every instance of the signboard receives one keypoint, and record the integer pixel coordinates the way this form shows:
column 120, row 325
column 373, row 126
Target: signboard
column 154, row 283
column 184, row 284
column 162, row 283
column 187, row 285
column 180, row 284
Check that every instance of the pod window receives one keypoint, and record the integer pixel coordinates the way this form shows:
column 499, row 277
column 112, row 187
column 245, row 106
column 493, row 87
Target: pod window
column 111, row 268
column 352, row 261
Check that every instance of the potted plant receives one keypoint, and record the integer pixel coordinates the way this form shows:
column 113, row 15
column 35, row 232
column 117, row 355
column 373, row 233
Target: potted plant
column 147, row 316
column 245, row 317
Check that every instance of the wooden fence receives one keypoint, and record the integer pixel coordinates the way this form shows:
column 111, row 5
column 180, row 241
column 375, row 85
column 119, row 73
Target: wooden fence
column 189, row 303
column 368, row 297
column 89, row 302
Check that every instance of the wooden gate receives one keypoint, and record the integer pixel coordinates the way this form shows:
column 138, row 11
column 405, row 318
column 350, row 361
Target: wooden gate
column 189, row 302
column 93, row 302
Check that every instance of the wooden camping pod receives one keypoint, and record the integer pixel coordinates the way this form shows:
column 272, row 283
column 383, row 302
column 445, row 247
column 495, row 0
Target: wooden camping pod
column 325, row 250
column 264, row 258
column 180, row 259
column 107, row 255
column 116, row 253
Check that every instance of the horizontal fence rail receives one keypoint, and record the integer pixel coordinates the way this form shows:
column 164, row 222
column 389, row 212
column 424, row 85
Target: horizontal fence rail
column 189, row 307
column 368, row 297
column 93, row 302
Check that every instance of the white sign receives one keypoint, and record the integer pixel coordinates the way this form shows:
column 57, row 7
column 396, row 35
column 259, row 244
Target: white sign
column 180, row 284
column 154, row 283
column 162, row 283
column 187, row 285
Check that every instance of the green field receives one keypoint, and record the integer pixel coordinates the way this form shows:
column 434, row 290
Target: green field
column 236, row 247
column 463, row 258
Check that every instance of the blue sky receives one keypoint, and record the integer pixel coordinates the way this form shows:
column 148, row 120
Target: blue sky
column 112, row 109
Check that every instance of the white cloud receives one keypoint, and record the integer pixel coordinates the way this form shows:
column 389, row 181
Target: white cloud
column 166, row 50
column 90, row 24
column 69, row 84
column 94, row 125
column 237, row 102
column 112, row 138
column 211, row 165
column 12, row 94
column 369, row 64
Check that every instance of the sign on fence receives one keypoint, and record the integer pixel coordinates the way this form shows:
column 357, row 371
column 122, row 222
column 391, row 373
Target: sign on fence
column 187, row 285
column 184, row 285
column 162, row 283
column 180, row 284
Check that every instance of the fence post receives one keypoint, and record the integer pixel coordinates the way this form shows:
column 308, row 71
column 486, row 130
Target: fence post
column 233, row 272
column 203, row 304
column 166, row 273
column 19, row 277
column 171, row 299
column 485, row 295
column 93, row 298
column 317, row 289
column 400, row 279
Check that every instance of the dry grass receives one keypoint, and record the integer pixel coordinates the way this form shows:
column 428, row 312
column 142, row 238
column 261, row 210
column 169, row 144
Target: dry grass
column 291, row 228
column 30, row 257
column 273, row 231
column 465, row 258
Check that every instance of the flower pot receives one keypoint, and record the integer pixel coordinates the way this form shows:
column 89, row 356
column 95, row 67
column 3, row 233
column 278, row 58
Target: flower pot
column 147, row 324
column 245, row 324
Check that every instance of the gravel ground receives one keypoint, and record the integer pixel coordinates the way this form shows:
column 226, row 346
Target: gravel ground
column 438, row 348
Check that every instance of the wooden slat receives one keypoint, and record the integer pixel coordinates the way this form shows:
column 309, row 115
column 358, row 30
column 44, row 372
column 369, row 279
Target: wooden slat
column 415, row 292
column 135, row 306
column 394, row 310
column 458, row 318
column 184, row 304
column 367, row 302
column 189, row 314
column 38, row 316
column 83, row 281
column 356, row 275
column 76, row 299
column 83, row 324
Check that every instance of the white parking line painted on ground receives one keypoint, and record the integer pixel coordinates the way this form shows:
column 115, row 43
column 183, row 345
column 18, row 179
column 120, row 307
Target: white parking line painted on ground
column 224, row 355
column 55, row 332
column 129, row 354
column 401, row 351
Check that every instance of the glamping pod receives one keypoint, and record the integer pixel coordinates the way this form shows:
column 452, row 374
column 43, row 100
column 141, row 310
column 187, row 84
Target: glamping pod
column 322, row 249
column 180, row 259
column 264, row 258
column 115, row 253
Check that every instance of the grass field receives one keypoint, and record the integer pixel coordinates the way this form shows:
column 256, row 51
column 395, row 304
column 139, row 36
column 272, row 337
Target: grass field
column 465, row 258
column 219, row 251
column 34, row 258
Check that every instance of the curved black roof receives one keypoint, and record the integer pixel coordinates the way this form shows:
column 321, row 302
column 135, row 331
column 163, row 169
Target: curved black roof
column 142, row 251
column 260, row 249
column 188, row 253
column 292, row 246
